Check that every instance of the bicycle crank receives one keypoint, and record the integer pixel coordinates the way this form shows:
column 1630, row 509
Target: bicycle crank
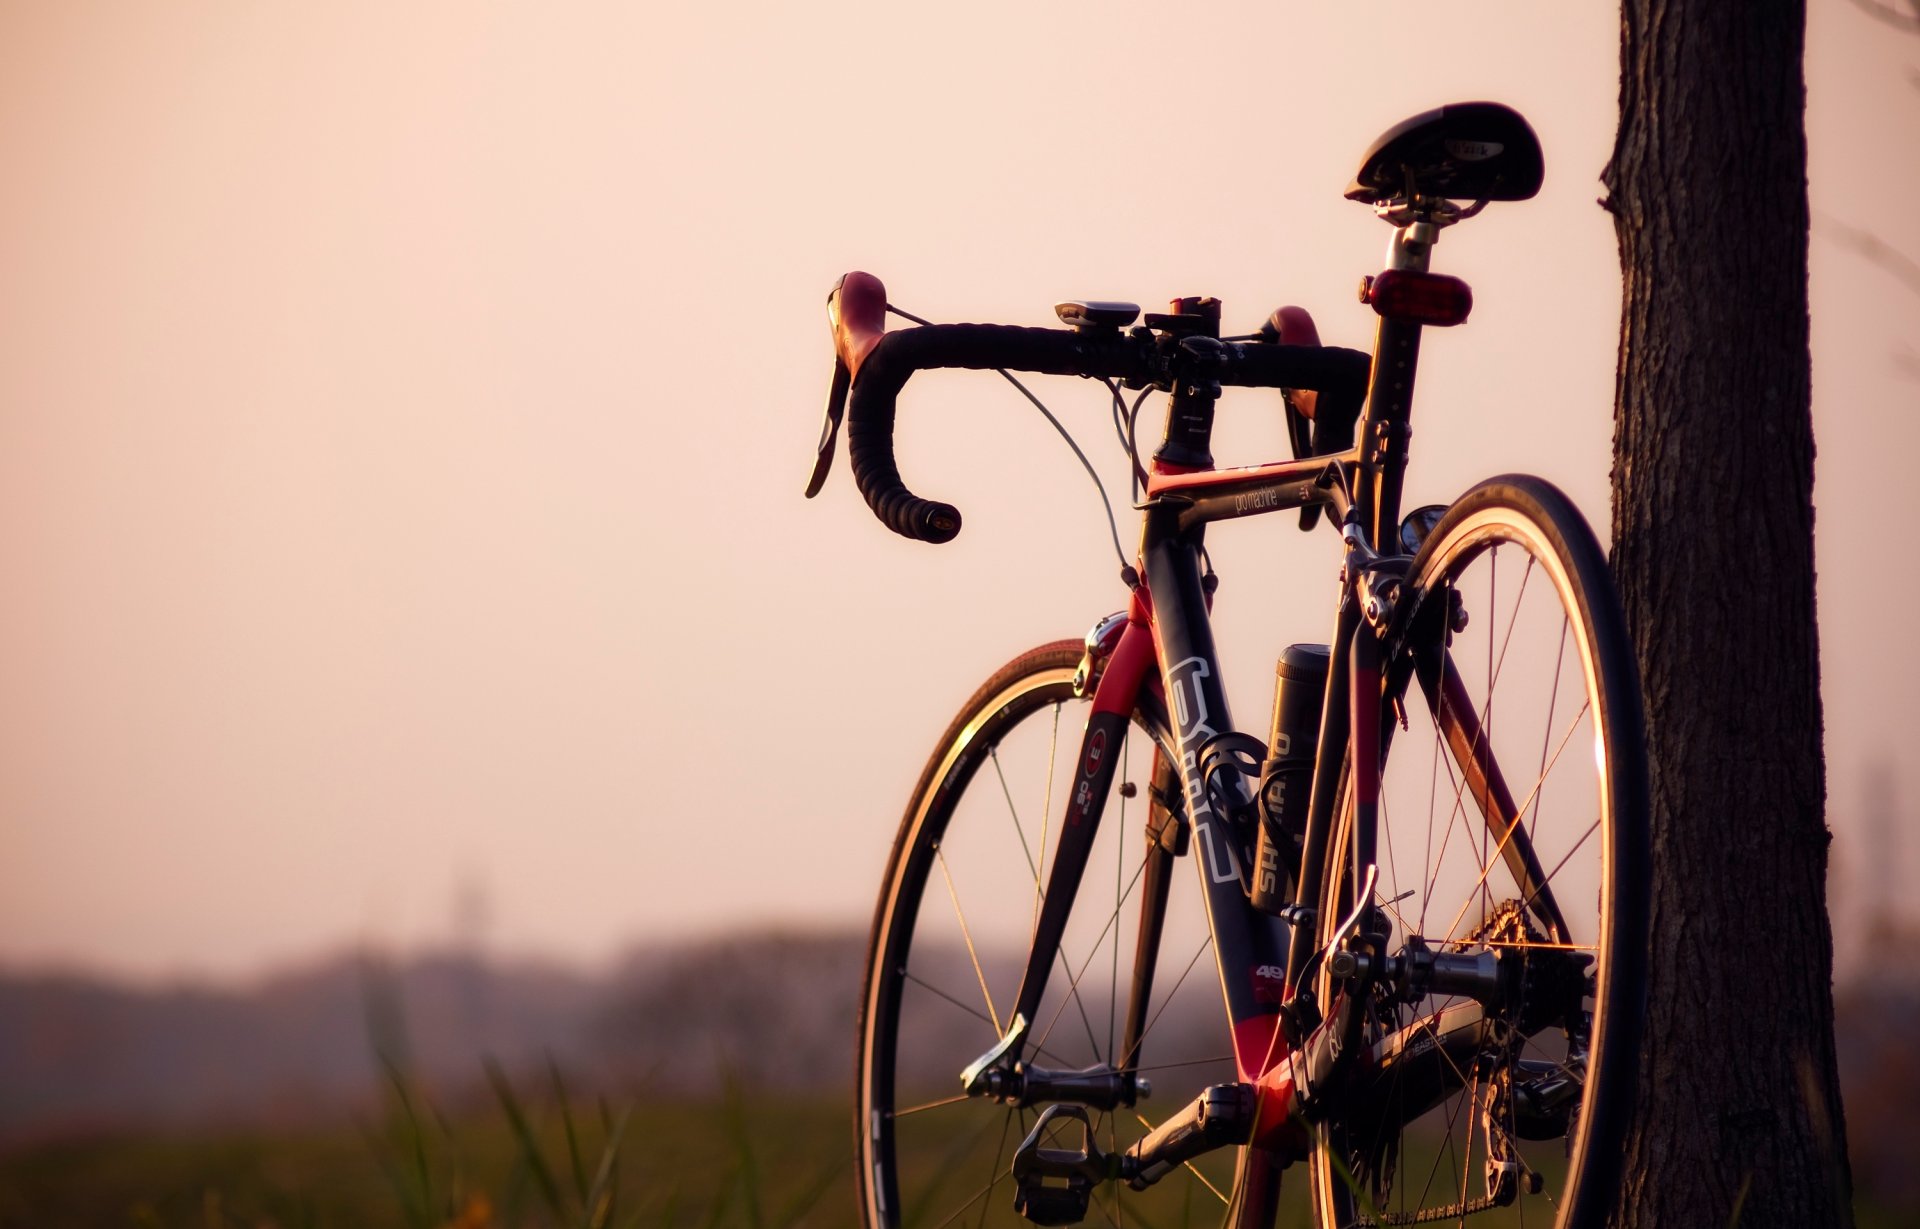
column 1053, row 1185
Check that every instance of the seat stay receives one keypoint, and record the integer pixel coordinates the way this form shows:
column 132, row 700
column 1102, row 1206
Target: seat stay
column 1483, row 781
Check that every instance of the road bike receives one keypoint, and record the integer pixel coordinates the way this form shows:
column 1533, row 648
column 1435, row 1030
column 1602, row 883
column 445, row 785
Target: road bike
column 1424, row 892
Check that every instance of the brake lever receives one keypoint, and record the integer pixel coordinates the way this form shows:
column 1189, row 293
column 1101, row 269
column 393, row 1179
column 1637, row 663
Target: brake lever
column 830, row 428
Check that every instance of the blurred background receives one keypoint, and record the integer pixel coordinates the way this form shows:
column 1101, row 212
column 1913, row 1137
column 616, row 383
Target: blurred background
column 413, row 643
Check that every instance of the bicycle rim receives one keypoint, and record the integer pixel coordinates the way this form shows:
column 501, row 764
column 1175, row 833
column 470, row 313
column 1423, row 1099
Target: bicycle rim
column 1528, row 706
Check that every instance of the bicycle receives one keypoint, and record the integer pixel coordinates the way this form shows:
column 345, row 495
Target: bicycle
column 1434, row 1007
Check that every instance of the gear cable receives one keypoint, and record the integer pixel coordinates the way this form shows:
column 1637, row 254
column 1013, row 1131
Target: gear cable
column 1113, row 526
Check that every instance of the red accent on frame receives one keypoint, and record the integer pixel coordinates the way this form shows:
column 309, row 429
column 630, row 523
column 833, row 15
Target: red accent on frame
column 1274, row 1131
column 1257, row 1046
column 1157, row 468
column 1132, row 659
column 1140, row 606
column 1169, row 481
column 1274, row 1127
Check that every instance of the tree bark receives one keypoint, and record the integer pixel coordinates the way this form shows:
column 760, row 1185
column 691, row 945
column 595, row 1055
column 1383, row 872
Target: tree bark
column 1739, row 1112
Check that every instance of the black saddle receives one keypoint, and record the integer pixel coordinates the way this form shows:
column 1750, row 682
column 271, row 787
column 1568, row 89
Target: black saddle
column 1466, row 151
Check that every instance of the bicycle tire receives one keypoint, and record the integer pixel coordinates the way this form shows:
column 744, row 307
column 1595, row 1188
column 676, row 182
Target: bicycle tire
column 1370, row 1154
column 910, row 1141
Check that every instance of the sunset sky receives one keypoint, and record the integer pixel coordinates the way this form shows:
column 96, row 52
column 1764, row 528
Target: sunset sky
column 404, row 411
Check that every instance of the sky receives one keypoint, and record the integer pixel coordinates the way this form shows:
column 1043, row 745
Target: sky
column 404, row 412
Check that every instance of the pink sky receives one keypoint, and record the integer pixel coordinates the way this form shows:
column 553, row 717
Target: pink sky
column 403, row 412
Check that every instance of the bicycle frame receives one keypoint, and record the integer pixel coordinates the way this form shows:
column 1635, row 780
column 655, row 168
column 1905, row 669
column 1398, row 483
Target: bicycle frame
column 1166, row 649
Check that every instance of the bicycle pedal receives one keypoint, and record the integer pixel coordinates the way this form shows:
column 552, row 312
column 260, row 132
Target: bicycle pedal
column 1052, row 1185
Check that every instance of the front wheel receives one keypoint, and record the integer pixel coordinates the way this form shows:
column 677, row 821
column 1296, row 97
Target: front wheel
column 1512, row 852
column 950, row 940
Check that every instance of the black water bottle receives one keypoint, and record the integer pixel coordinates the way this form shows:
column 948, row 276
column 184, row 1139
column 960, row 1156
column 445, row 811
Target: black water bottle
column 1286, row 778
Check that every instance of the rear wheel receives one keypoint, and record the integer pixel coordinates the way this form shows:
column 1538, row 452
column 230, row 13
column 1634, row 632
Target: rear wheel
column 1504, row 1104
column 950, row 942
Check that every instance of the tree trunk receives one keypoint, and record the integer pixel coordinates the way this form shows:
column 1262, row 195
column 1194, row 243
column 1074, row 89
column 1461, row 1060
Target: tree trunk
column 1713, row 549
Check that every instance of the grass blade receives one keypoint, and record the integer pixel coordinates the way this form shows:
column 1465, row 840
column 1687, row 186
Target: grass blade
column 598, row 1200
column 566, row 1120
column 797, row 1208
column 536, row 1164
column 748, row 1165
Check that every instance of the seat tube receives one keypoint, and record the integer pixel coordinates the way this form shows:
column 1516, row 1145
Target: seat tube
column 1384, row 429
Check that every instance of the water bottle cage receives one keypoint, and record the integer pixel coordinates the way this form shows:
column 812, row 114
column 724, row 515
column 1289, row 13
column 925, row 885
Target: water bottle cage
column 1239, row 754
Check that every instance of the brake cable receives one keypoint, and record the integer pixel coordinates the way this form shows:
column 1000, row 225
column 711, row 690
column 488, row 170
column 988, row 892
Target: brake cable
column 1113, row 526
column 1124, row 422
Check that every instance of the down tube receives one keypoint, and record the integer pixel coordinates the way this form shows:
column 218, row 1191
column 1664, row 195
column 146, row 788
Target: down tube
column 1251, row 946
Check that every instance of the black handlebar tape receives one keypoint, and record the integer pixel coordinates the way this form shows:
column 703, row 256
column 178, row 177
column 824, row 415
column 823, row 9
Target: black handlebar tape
column 898, row 355
column 1334, row 371
column 1339, row 374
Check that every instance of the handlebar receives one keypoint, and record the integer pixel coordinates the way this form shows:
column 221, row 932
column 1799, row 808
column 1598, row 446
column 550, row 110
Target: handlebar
column 872, row 366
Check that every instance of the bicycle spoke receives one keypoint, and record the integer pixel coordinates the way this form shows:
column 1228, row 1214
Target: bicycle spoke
column 978, row 1195
column 1185, row 1062
column 1513, row 826
column 1559, row 1065
column 938, row 992
column 1546, row 879
column 945, row 1169
column 1393, row 863
column 1485, row 738
column 1457, row 810
column 976, row 1013
column 1591, row 829
column 1546, row 731
column 1471, row 1102
column 1513, row 620
column 1529, row 945
column 1073, row 996
column 999, row 1151
column 965, row 933
column 1073, row 979
column 1446, row 839
column 932, row 1105
column 993, row 755
column 1204, row 944
column 1433, row 798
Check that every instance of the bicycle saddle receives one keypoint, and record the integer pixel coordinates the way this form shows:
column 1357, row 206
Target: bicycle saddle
column 1469, row 151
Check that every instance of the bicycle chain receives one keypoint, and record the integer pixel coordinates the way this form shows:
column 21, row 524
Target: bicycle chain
column 1426, row 1215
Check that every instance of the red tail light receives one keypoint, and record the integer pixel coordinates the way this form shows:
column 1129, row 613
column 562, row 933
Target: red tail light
column 1420, row 298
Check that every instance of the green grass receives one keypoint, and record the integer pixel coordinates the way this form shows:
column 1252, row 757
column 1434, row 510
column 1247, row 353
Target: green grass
column 770, row 1164
column 534, row 1155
